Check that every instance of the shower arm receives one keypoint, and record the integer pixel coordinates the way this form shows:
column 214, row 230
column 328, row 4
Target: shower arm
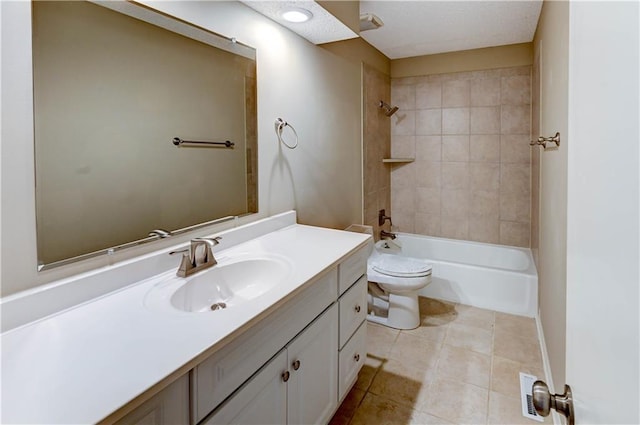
column 388, row 109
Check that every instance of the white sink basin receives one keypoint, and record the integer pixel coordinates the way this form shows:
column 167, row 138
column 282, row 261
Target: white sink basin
column 223, row 286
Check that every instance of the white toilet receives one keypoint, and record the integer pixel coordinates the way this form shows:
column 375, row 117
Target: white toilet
column 394, row 282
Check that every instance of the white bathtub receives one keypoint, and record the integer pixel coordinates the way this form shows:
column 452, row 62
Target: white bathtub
column 495, row 277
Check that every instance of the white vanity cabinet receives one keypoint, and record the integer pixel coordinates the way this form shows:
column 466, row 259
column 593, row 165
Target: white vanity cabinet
column 298, row 386
column 213, row 380
column 297, row 364
column 190, row 368
column 169, row 407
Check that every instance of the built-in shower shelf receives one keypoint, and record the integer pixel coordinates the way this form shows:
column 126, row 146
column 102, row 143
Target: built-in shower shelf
column 397, row 160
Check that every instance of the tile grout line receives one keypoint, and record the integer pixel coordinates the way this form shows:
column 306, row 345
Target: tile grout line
column 493, row 342
column 435, row 371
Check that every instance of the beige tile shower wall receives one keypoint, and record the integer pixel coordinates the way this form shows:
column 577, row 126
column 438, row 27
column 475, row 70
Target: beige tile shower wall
column 376, row 146
column 469, row 133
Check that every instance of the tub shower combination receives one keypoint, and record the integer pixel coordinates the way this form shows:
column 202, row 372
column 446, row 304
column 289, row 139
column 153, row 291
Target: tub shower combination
column 494, row 277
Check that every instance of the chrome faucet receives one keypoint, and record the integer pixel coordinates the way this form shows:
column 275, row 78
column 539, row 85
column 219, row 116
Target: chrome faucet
column 190, row 264
column 384, row 235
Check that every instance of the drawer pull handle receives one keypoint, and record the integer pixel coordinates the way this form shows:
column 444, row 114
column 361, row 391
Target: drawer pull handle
column 356, row 357
column 357, row 309
column 296, row 365
column 285, row 376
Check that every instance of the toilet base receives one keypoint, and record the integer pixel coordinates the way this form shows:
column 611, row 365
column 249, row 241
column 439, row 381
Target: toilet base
column 402, row 310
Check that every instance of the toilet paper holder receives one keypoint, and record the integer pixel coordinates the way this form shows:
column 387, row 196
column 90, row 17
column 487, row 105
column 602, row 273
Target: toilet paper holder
column 554, row 142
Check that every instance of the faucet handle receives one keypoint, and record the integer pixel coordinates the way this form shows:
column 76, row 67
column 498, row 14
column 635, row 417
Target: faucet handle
column 185, row 265
column 382, row 217
column 209, row 243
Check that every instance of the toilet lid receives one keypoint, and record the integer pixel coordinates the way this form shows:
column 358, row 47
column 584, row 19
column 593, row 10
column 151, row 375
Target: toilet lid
column 396, row 265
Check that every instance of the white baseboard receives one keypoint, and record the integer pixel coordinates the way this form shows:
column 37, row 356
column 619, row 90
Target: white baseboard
column 548, row 377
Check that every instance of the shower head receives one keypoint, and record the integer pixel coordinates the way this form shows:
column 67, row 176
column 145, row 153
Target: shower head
column 388, row 109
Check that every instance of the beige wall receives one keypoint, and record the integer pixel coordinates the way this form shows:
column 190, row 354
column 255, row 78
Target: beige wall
column 376, row 133
column 467, row 60
column 552, row 46
column 358, row 50
column 469, row 134
column 318, row 92
column 376, row 146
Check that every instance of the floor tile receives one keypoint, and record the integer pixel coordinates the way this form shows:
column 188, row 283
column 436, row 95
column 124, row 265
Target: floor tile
column 433, row 333
column 505, row 376
column 435, row 307
column 455, row 401
column 381, row 411
column 380, row 339
column 524, row 327
column 415, row 351
column 475, row 317
column 402, row 383
column 348, row 407
column 458, row 364
column 369, row 369
column 518, row 349
column 421, row 418
column 436, row 312
column 470, row 338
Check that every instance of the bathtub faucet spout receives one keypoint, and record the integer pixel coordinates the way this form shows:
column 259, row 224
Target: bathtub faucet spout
column 384, row 235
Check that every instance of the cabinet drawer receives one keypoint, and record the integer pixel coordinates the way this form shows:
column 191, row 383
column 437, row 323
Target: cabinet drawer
column 218, row 376
column 353, row 309
column 352, row 268
column 352, row 357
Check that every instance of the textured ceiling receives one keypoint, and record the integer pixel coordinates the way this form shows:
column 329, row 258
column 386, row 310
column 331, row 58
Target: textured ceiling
column 416, row 28
column 322, row 28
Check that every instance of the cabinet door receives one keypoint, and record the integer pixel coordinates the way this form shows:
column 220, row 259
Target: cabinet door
column 262, row 400
column 169, row 407
column 313, row 386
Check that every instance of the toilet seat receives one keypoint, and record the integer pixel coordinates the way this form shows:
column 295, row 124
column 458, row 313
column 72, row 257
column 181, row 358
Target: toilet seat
column 393, row 289
column 398, row 266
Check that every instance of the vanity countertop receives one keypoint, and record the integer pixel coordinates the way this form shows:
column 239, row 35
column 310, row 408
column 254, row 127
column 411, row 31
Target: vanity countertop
column 83, row 364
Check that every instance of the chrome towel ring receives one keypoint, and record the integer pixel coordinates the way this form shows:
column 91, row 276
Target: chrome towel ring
column 280, row 124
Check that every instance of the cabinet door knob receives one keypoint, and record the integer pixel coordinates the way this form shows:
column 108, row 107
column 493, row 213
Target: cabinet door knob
column 356, row 357
column 357, row 309
column 296, row 365
column 285, row 376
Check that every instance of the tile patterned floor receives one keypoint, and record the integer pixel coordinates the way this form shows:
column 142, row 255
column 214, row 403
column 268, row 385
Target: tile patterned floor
column 459, row 367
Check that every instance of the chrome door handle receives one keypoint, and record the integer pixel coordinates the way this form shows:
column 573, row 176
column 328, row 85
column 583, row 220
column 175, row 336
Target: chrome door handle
column 544, row 401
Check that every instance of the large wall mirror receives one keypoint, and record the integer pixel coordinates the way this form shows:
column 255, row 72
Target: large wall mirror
column 114, row 84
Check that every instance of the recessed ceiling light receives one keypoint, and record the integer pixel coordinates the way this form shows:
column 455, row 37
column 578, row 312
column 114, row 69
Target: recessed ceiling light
column 296, row 14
